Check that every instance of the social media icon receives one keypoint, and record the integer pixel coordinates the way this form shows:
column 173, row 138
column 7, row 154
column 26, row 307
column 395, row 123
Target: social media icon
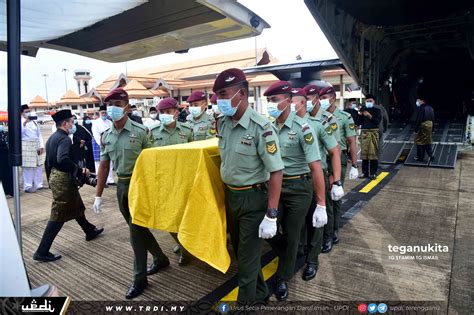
column 382, row 308
column 372, row 308
column 362, row 308
column 224, row 308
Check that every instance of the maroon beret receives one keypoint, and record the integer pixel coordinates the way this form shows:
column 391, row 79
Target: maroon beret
column 117, row 94
column 214, row 99
column 166, row 103
column 327, row 90
column 311, row 89
column 228, row 78
column 196, row 96
column 279, row 87
column 298, row 92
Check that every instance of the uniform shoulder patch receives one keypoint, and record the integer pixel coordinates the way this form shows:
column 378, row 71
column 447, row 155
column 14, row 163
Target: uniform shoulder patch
column 309, row 138
column 328, row 130
column 260, row 120
column 334, row 126
column 267, row 133
column 352, row 126
column 271, row 146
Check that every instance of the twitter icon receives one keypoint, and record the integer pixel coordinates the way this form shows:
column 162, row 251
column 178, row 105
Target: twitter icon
column 372, row 308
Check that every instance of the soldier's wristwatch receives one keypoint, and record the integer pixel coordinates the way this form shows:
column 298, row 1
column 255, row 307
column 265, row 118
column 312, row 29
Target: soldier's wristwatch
column 272, row 213
column 355, row 165
column 337, row 182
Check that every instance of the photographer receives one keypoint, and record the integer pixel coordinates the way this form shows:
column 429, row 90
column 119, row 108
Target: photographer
column 82, row 147
column 61, row 172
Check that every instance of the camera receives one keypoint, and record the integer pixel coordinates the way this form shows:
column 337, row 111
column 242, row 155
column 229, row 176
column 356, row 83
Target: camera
column 91, row 180
column 81, row 179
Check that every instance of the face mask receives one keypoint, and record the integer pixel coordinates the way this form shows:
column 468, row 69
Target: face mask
column 135, row 112
column 115, row 113
column 28, row 114
column 354, row 106
column 369, row 104
column 215, row 109
column 309, row 106
column 195, row 110
column 104, row 118
column 87, row 121
column 325, row 104
column 418, row 103
column 153, row 116
column 273, row 111
column 225, row 106
column 167, row 119
column 72, row 130
column 293, row 107
column 2, row 128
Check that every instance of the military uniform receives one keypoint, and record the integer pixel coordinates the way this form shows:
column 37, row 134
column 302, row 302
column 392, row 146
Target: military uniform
column 123, row 149
column 161, row 135
column 326, row 128
column 203, row 127
column 249, row 151
column 299, row 147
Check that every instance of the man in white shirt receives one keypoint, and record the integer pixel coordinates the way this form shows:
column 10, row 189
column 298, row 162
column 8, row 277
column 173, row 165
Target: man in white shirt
column 153, row 121
column 100, row 125
column 32, row 151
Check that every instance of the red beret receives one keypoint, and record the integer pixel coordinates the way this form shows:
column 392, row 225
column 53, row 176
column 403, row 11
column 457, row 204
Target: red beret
column 311, row 89
column 166, row 103
column 228, row 78
column 279, row 87
column 327, row 90
column 196, row 96
column 298, row 92
column 117, row 94
column 214, row 99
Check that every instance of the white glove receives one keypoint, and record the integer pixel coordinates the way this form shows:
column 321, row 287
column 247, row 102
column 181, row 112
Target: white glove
column 354, row 173
column 336, row 192
column 267, row 228
column 97, row 205
column 320, row 217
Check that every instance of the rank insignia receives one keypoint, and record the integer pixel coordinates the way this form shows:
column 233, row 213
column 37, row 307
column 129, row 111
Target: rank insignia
column 212, row 131
column 271, row 147
column 329, row 130
column 352, row 126
column 334, row 126
column 308, row 138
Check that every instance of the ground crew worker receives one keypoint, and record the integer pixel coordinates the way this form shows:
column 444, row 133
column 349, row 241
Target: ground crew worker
column 347, row 142
column 325, row 126
column 122, row 144
column 369, row 119
column 424, row 129
column 171, row 131
column 201, row 122
column 301, row 176
column 251, row 169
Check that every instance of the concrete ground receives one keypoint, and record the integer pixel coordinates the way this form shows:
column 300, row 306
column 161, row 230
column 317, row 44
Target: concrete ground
column 419, row 206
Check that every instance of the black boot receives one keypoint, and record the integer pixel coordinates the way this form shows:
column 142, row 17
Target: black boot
column 136, row 289
column 335, row 239
column 42, row 253
column 309, row 272
column 327, row 247
column 281, row 290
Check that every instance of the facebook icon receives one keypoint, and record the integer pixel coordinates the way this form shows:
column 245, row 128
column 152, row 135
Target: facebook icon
column 223, row 308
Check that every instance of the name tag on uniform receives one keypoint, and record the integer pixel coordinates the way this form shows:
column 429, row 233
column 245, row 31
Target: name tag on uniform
column 182, row 135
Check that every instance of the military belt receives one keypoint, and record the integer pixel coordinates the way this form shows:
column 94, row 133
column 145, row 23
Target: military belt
column 246, row 188
column 296, row 177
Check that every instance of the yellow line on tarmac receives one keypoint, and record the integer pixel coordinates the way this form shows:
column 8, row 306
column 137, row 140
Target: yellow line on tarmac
column 374, row 182
column 268, row 271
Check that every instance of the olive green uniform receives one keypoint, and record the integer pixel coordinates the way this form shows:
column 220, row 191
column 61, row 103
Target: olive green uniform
column 325, row 131
column 346, row 128
column 203, row 127
column 123, row 148
column 299, row 147
column 249, row 152
column 162, row 135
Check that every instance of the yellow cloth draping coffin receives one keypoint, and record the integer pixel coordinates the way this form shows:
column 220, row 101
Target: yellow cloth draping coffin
column 178, row 189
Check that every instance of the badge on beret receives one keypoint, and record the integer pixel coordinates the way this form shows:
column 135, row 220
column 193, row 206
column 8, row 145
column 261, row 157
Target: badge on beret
column 272, row 147
column 352, row 126
column 308, row 138
column 229, row 79
column 329, row 130
column 267, row 133
column 334, row 126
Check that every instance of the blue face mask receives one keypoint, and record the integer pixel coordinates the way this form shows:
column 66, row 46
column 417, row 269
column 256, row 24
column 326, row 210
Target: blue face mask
column 369, row 104
column 273, row 111
column 166, row 119
column 325, row 104
column 72, row 130
column 115, row 113
column 354, row 106
column 309, row 106
column 87, row 121
column 104, row 118
column 195, row 110
column 418, row 103
column 225, row 106
column 293, row 107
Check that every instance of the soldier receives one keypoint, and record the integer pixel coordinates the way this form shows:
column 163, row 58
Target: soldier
column 202, row 123
column 171, row 131
column 369, row 119
column 348, row 145
column 325, row 126
column 302, row 175
column 123, row 143
column 251, row 169
column 423, row 128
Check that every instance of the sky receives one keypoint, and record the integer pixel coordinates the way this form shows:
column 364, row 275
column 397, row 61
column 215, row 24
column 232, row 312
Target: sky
column 293, row 32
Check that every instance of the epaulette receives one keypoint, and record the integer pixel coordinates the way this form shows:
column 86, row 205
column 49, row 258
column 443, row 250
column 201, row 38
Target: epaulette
column 156, row 126
column 260, row 120
column 138, row 125
column 186, row 125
